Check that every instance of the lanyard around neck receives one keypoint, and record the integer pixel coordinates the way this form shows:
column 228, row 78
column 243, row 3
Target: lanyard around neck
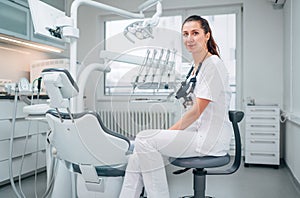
column 191, row 70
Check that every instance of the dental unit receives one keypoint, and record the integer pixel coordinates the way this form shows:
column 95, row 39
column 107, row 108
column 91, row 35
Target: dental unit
column 89, row 166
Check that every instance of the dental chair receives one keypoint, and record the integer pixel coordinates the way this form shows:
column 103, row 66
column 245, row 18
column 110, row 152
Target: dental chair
column 82, row 142
column 201, row 165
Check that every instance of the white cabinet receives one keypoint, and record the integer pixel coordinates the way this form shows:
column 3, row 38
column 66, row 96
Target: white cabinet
column 262, row 142
column 15, row 20
column 28, row 133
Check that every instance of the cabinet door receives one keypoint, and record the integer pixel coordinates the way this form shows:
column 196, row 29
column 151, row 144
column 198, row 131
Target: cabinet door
column 7, row 109
column 14, row 19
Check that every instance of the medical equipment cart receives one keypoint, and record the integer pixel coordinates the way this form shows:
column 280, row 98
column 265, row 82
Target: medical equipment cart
column 262, row 137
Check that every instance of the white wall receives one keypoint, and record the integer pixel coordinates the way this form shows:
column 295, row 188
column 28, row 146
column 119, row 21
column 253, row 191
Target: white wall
column 291, row 84
column 263, row 52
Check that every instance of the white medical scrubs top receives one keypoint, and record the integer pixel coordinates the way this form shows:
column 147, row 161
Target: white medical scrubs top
column 214, row 130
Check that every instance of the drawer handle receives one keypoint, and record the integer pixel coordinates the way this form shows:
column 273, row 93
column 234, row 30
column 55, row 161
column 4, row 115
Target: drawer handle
column 263, row 141
column 19, row 118
column 264, row 110
column 264, row 134
column 27, row 154
column 263, row 126
column 23, row 137
column 263, row 154
column 262, row 118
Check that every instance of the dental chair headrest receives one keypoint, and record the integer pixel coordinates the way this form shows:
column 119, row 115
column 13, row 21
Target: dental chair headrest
column 60, row 86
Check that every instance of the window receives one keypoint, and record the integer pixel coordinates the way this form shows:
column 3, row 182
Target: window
column 224, row 30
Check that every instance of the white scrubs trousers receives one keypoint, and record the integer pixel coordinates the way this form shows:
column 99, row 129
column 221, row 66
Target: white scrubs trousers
column 146, row 165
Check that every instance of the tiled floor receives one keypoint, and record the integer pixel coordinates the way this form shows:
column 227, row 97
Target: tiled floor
column 251, row 182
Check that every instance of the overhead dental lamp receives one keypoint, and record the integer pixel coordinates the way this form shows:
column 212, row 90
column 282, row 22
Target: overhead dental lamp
column 143, row 29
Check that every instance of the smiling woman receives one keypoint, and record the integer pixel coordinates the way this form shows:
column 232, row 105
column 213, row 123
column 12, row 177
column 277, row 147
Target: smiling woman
column 203, row 130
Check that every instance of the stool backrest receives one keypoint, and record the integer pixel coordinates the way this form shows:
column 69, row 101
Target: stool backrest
column 235, row 117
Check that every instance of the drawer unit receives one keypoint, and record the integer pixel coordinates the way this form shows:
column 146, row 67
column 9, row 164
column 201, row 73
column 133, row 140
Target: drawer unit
column 262, row 138
column 29, row 165
column 21, row 128
column 33, row 143
column 35, row 130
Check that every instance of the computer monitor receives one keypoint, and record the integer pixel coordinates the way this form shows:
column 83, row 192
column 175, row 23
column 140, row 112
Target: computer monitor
column 44, row 18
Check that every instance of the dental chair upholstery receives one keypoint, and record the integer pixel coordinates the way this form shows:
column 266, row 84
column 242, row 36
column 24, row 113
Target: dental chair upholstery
column 200, row 165
column 81, row 140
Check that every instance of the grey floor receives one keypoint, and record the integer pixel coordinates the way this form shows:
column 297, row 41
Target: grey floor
column 251, row 182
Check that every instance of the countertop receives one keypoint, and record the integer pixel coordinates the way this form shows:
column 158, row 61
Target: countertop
column 12, row 97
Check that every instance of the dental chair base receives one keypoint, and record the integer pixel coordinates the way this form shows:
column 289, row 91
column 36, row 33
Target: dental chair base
column 112, row 186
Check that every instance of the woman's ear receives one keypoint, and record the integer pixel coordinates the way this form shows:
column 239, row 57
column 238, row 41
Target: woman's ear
column 207, row 36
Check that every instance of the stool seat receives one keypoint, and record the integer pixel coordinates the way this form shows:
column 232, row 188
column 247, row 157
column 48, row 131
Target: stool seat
column 201, row 165
column 201, row 162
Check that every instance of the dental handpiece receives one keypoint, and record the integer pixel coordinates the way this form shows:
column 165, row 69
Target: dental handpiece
column 164, row 66
column 148, row 66
column 154, row 69
column 170, row 69
column 142, row 66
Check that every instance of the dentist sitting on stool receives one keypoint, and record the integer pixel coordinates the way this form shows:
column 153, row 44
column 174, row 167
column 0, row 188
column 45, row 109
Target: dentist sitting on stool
column 203, row 130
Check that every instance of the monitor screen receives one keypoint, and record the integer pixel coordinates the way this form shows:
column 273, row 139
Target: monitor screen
column 44, row 18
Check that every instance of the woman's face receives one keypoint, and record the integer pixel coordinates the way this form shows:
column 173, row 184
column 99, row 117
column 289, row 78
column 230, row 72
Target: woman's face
column 194, row 37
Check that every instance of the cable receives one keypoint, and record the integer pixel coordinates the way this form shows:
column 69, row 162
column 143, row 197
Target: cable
column 11, row 176
column 54, row 163
column 25, row 147
column 37, row 142
column 22, row 160
column 283, row 117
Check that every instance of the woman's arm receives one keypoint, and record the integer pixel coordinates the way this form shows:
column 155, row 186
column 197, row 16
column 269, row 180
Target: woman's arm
column 191, row 115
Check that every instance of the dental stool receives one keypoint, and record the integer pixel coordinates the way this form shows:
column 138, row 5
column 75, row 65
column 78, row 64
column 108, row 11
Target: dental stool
column 200, row 164
column 82, row 142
